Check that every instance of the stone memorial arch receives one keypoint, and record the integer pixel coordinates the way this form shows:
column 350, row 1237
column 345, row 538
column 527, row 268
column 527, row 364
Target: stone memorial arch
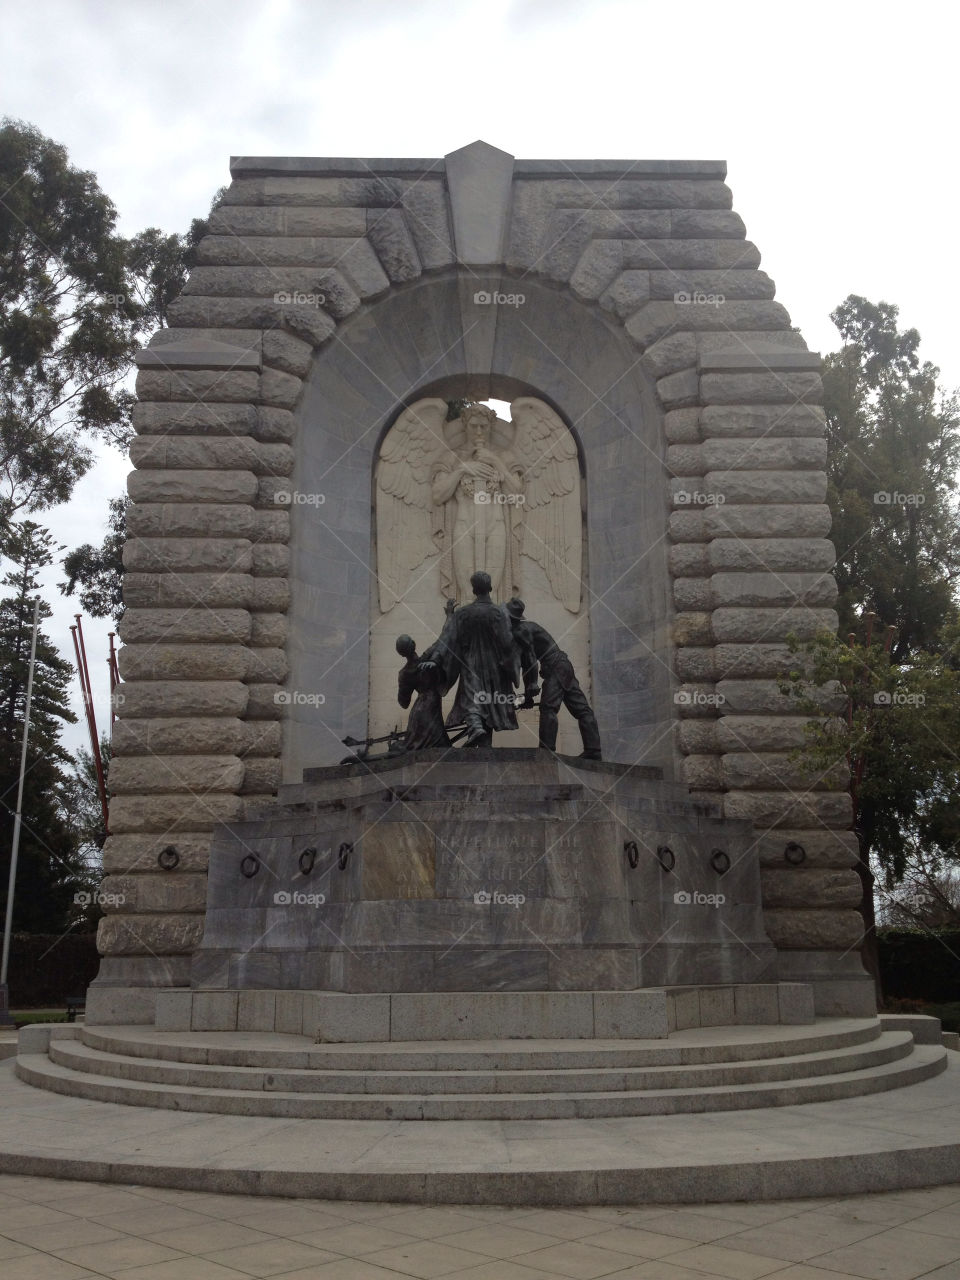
column 616, row 306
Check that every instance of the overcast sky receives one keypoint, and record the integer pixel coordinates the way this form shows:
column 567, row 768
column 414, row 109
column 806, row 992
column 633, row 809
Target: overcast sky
column 838, row 122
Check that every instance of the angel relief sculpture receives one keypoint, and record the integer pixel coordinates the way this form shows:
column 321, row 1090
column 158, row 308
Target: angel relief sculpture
column 483, row 493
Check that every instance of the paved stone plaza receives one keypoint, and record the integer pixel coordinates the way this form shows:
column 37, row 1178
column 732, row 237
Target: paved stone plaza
column 53, row 1230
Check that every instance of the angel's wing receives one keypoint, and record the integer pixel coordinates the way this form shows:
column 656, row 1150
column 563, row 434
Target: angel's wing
column 552, row 526
column 406, row 529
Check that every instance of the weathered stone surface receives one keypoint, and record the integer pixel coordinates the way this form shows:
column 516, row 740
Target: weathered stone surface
column 275, row 425
column 692, row 593
column 679, row 389
column 820, row 848
column 758, row 661
column 658, row 318
column 776, row 520
column 627, row 294
column 767, row 486
column 192, row 486
column 760, row 696
column 765, row 589
column 189, row 519
column 761, row 388
column 278, row 389
column 211, row 590
column 789, row 808
column 799, row 886
column 720, row 224
column 277, row 221
column 270, row 560
column 681, row 426
column 285, row 352
column 722, row 286
column 286, row 286
column 151, row 418
column 697, row 737
column 778, row 555
column 703, row 772
column 310, row 323
column 149, row 775
column 269, row 630
column 159, row 661
column 126, row 854
column 814, row 930
column 768, row 625
column 261, row 776
column 692, row 628
column 272, row 526
column 723, row 421
column 160, row 935
column 270, row 594
column 180, row 735
column 172, row 812
column 695, row 663
column 171, row 555
column 267, row 702
column 394, row 245
column 689, row 560
column 266, row 664
column 219, row 626
column 172, row 891
column 198, row 384
column 175, row 698
column 190, row 453
column 767, row 770
column 793, row 453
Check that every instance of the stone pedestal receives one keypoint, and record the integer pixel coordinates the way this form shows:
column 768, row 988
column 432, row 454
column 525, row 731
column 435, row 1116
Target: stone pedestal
column 489, row 870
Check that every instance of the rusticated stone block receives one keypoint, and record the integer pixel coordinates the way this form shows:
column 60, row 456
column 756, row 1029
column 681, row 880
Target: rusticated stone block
column 192, row 486
column 149, row 775
column 703, row 772
column 724, row 286
column 767, row 486
column 260, row 738
column 271, row 560
column 692, row 593
column 700, row 700
column 679, row 389
column 776, row 520
column 800, row 886
column 191, row 625
column 262, row 776
column 814, row 930
column 251, row 221
column 125, row 854
column 176, row 662
column 720, row 224
column 692, row 628
column 761, row 733
column 311, row 323
column 183, row 735
column 270, row 594
column 190, row 419
column 695, row 663
column 747, row 454
column 625, row 294
column 777, row 555
column 213, row 452
column 731, row 624
column 172, row 813
column 267, row 702
column 266, row 664
column 789, row 808
column 129, row 935
column 173, row 555
column 757, row 420
column 286, row 286
column 687, row 526
column 212, row 590
column 682, row 426
column 684, row 459
column 820, row 848
column 394, row 245
column 272, row 526
column 768, row 770
column 764, row 696
column 762, row 388
column 274, row 425
column 278, row 389
column 182, row 698
column 269, row 630
column 168, row 891
column 759, row 589
column 689, row 560
column 658, row 318
column 189, row 519
column 697, row 737
column 190, row 385
column 758, row 661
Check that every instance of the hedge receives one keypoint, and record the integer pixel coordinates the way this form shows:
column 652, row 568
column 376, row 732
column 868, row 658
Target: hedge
column 45, row 968
column 918, row 964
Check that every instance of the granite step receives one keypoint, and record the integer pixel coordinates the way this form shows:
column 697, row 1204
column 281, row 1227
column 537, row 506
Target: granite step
column 888, row 1047
column 921, row 1064
column 700, row 1045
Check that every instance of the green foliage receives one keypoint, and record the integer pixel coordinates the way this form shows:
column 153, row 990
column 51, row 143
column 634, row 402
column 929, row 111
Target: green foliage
column 68, row 324
column 893, row 454
column 98, row 571
column 52, row 868
column 159, row 265
column 920, row 964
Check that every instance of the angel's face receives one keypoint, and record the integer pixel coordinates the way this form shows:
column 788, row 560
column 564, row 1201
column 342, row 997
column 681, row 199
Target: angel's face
column 477, row 431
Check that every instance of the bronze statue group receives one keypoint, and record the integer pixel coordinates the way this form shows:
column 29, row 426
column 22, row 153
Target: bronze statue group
column 493, row 651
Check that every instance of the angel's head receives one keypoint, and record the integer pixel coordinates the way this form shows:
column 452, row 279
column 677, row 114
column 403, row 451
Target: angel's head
column 478, row 420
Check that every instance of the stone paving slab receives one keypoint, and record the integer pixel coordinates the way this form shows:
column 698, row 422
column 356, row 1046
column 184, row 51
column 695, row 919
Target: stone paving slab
column 906, row 1138
column 52, row 1229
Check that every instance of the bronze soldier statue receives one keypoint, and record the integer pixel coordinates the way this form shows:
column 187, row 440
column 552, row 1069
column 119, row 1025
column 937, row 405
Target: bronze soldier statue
column 422, row 677
column 560, row 686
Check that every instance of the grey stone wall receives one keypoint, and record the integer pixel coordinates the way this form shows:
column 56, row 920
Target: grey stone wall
column 330, row 292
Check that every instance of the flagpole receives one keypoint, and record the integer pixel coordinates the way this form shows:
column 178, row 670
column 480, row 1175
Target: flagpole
column 5, row 1019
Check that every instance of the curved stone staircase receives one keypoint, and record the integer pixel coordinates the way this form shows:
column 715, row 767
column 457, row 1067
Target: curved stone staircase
column 705, row 1069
